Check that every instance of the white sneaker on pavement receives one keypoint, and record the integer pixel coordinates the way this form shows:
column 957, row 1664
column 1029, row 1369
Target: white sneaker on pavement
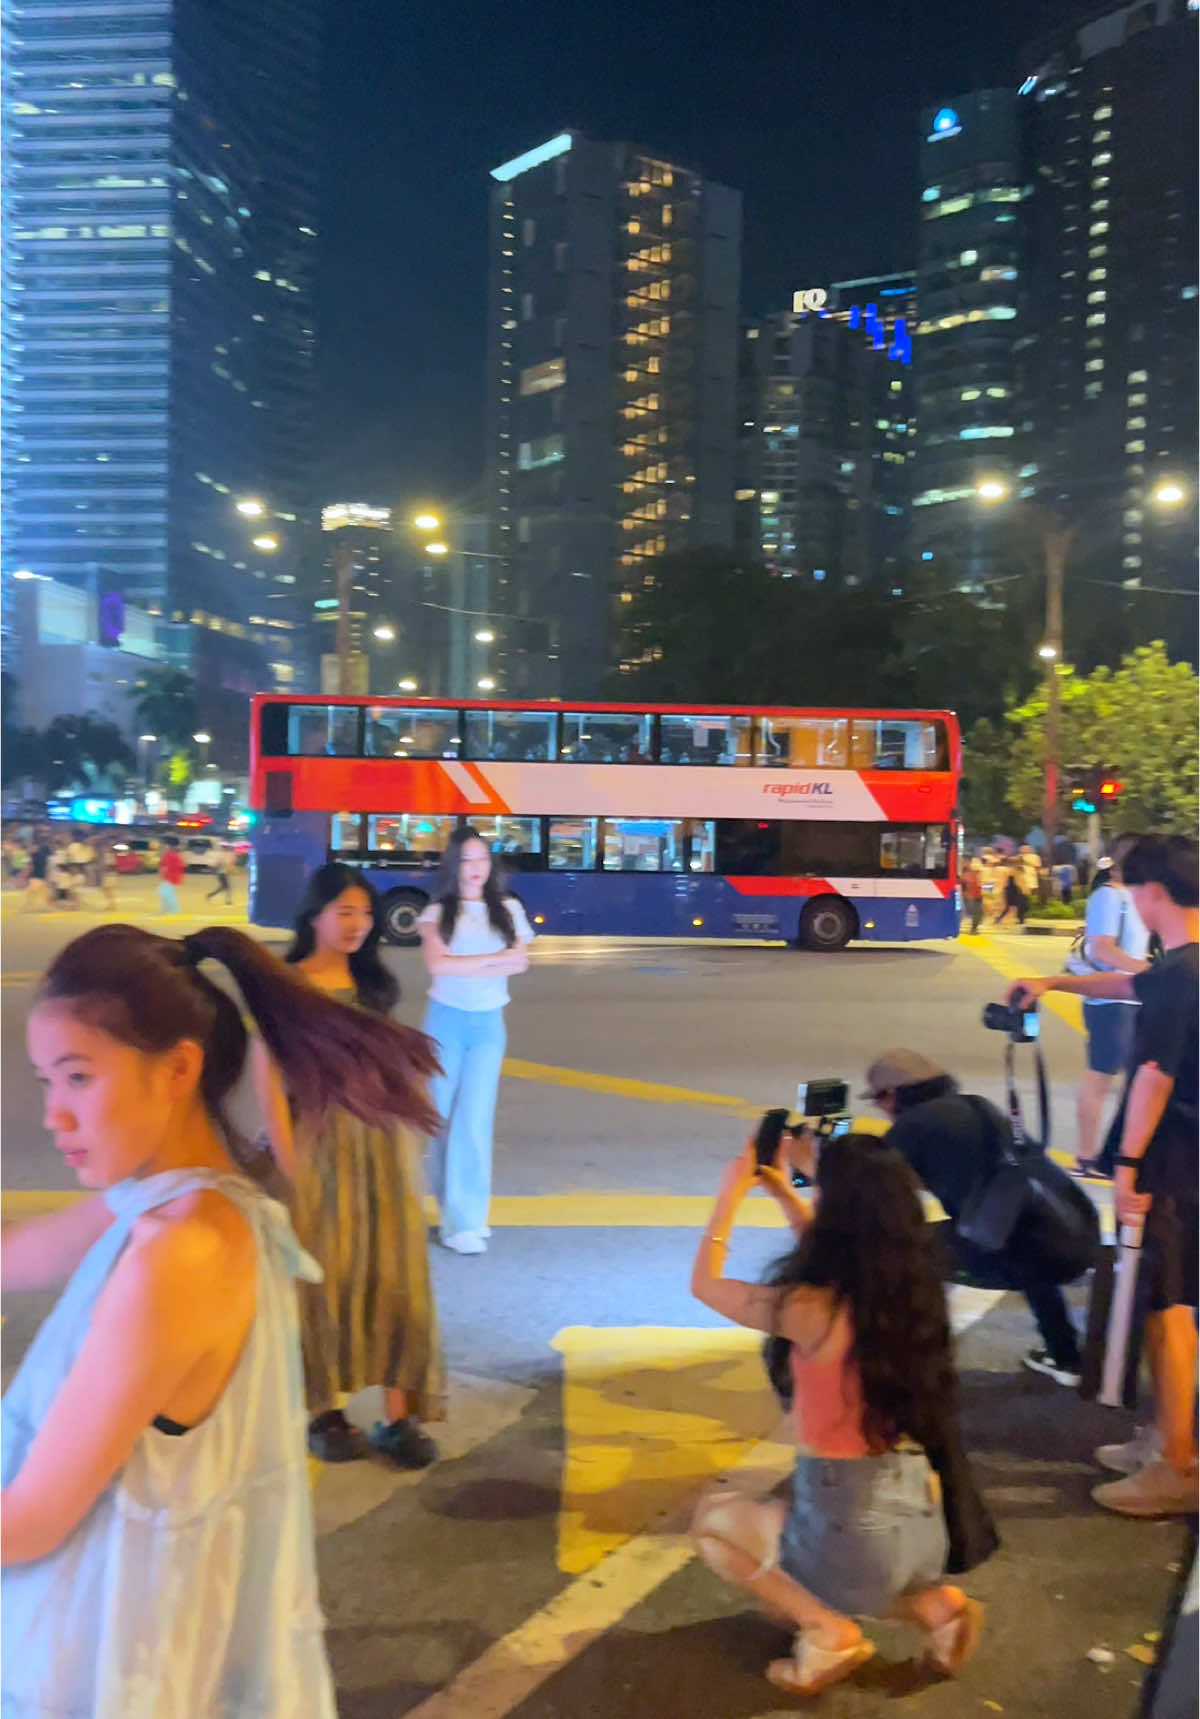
column 1041, row 1361
column 1135, row 1453
column 1156, row 1490
column 464, row 1242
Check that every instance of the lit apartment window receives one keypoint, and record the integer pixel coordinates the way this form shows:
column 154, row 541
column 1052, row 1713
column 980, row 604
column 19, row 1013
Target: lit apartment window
column 1138, row 376
column 1137, row 399
column 1135, row 423
column 1098, row 227
column 1094, row 364
column 1102, row 113
column 1135, row 447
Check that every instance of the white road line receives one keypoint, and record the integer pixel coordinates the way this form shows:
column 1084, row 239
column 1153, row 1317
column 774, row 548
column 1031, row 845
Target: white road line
column 509, row 1671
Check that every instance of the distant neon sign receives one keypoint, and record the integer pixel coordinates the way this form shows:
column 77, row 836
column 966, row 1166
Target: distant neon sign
column 946, row 123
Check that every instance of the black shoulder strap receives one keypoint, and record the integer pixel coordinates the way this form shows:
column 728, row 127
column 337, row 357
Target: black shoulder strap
column 997, row 1133
column 1014, row 1102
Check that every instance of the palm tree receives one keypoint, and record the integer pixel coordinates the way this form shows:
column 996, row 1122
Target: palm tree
column 164, row 703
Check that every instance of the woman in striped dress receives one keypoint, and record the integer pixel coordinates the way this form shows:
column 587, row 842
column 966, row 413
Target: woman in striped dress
column 357, row 1206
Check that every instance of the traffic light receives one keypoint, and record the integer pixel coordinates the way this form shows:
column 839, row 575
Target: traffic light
column 1092, row 788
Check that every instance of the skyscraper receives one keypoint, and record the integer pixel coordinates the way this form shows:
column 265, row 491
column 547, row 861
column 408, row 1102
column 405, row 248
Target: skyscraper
column 612, row 368
column 1109, row 315
column 159, row 245
column 963, row 356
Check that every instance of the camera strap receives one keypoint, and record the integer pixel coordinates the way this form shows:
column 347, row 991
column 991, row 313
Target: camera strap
column 1013, row 1098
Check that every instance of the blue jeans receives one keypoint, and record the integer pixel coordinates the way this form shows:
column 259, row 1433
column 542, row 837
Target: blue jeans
column 471, row 1049
column 168, row 897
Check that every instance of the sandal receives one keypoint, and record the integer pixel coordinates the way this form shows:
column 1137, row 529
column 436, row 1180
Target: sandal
column 811, row 1669
column 953, row 1643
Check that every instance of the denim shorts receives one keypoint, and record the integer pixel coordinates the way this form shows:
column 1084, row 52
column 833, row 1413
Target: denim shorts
column 1110, row 1029
column 862, row 1531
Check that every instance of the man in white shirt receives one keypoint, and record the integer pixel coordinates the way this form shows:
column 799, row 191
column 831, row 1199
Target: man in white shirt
column 1115, row 940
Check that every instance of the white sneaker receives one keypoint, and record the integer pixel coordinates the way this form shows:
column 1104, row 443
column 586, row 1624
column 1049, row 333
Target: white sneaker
column 1135, row 1453
column 464, row 1242
column 1156, row 1490
column 1041, row 1361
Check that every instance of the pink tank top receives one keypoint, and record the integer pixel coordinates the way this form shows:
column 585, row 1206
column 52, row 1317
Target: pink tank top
column 827, row 1409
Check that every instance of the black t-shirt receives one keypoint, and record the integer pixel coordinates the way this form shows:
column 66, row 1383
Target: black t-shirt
column 948, row 1146
column 1168, row 1027
column 38, row 861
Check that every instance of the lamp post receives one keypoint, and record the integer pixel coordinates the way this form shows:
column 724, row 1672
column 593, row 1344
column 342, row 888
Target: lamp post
column 203, row 740
column 144, row 742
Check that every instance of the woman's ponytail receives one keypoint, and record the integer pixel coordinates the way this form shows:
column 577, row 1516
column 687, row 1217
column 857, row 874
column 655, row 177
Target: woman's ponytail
column 328, row 1054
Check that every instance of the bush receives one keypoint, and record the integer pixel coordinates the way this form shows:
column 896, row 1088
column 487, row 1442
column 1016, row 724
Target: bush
column 1053, row 910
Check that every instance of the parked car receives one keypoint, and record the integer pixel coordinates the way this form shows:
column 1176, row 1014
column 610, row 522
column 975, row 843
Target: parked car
column 136, row 854
column 200, row 853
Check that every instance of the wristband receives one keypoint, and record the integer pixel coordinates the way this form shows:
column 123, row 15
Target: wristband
column 1125, row 1163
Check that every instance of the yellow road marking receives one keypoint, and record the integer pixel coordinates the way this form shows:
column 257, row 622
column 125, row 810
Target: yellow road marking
column 650, row 1414
column 1068, row 1009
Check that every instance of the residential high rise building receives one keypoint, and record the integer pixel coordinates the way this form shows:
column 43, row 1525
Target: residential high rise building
column 612, row 368
column 159, row 247
column 972, row 189
column 1108, row 322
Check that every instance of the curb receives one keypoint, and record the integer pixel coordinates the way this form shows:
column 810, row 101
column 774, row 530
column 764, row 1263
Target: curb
column 1055, row 928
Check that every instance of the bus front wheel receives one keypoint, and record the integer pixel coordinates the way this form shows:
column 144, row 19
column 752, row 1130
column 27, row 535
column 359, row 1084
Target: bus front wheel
column 401, row 910
column 827, row 923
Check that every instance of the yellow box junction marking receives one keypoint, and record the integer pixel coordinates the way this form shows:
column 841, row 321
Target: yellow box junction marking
column 650, row 1414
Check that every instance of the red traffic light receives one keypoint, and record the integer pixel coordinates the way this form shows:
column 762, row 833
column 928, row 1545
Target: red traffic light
column 1110, row 789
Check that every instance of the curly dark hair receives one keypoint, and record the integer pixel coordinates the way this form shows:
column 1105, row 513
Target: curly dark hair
column 869, row 1243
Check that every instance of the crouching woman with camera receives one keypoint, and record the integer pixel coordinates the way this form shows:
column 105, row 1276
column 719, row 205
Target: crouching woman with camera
column 861, row 1302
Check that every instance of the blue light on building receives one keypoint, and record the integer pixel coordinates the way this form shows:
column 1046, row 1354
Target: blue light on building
column 945, row 124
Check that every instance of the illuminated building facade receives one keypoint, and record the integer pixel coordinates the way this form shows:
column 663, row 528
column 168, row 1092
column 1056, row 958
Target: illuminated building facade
column 827, row 433
column 159, row 247
column 968, row 293
column 1110, row 112
column 611, row 391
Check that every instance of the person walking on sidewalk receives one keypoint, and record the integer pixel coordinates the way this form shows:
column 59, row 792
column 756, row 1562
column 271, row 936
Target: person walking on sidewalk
column 1156, row 1178
column 170, row 876
column 973, row 893
column 222, row 874
column 356, row 1195
column 474, row 937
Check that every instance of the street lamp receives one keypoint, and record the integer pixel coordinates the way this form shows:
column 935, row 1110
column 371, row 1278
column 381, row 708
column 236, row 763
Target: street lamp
column 427, row 522
column 144, row 742
column 1169, row 494
column 992, row 489
column 249, row 508
column 485, row 637
column 203, row 740
column 487, row 684
column 385, row 633
column 437, row 549
column 266, row 541
column 407, row 685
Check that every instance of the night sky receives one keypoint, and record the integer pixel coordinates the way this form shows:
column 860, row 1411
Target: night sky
column 810, row 110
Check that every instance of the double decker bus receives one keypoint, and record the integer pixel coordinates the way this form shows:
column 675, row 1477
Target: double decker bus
column 811, row 826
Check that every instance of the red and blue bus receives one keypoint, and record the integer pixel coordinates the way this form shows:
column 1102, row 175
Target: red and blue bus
column 811, row 826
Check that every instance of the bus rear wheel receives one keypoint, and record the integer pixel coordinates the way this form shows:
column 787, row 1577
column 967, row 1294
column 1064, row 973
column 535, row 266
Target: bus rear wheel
column 401, row 910
column 827, row 923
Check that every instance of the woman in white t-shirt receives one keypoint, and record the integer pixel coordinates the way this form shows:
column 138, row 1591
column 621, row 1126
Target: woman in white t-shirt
column 474, row 937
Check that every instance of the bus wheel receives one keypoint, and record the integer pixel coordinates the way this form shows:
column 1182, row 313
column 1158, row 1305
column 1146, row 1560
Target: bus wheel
column 827, row 923
column 401, row 910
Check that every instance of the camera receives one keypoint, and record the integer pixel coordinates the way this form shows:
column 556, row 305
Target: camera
column 823, row 1107
column 1019, row 1020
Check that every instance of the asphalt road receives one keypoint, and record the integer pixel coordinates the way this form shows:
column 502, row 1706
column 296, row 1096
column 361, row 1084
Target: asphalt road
column 538, row 1570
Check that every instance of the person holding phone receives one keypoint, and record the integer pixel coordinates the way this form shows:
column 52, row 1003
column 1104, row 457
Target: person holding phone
column 864, row 1534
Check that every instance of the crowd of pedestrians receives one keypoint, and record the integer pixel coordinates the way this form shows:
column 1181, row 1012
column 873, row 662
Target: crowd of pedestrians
column 225, row 1296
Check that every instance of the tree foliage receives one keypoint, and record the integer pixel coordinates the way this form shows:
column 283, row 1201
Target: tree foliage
column 164, row 703
column 1136, row 722
column 82, row 752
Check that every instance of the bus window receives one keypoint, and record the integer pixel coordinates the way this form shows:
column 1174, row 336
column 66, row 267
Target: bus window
column 704, row 740
column 520, row 735
column 392, row 733
column 898, row 743
column 643, row 844
column 345, row 834
column 816, row 848
column 700, row 838
column 606, row 738
column 802, row 742
column 747, row 846
column 516, row 842
column 572, row 844
column 408, row 838
column 322, row 731
column 920, row 850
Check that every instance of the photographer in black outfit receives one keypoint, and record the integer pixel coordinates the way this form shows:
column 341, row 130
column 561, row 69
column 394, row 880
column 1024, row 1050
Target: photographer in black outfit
column 952, row 1143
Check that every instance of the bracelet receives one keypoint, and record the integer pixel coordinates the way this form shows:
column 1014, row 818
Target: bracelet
column 1126, row 1163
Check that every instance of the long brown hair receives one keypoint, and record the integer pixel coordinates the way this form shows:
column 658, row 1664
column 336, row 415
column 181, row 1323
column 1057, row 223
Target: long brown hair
column 148, row 992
